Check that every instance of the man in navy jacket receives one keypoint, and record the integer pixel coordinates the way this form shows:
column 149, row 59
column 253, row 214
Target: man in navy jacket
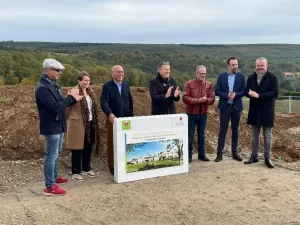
column 230, row 88
column 116, row 101
column 51, row 106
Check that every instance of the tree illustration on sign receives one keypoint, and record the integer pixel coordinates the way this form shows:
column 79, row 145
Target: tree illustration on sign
column 132, row 147
column 178, row 144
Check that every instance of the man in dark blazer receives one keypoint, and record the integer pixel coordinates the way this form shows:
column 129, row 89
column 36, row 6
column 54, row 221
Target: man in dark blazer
column 230, row 88
column 163, row 91
column 116, row 101
column 51, row 106
column 262, row 89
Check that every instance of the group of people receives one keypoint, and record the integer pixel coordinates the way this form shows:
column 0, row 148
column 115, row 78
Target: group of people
column 262, row 89
column 78, row 116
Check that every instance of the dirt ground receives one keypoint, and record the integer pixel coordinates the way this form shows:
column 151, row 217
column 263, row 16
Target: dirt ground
column 228, row 192
column 20, row 138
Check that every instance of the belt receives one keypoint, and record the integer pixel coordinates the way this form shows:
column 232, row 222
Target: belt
column 230, row 104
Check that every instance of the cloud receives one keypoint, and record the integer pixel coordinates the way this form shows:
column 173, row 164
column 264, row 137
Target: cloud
column 132, row 21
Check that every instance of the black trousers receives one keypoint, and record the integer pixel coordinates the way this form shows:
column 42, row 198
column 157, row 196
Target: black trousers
column 226, row 115
column 81, row 159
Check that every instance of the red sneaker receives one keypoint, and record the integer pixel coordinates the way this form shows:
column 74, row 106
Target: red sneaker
column 54, row 190
column 61, row 180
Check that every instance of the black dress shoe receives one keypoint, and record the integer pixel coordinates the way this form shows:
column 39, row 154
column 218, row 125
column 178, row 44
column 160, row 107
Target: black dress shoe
column 237, row 157
column 218, row 159
column 251, row 160
column 269, row 163
column 112, row 171
column 203, row 158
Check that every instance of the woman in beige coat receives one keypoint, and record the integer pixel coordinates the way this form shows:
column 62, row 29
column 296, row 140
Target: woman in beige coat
column 83, row 128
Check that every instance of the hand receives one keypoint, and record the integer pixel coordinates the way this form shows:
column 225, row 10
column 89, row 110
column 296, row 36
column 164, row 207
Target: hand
column 78, row 97
column 111, row 118
column 203, row 99
column 169, row 92
column 231, row 95
column 73, row 91
column 176, row 92
column 253, row 94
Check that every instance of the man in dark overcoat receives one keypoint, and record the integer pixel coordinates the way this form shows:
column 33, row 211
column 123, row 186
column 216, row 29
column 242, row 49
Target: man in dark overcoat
column 262, row 89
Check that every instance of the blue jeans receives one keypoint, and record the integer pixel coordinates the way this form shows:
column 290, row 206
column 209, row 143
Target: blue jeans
column 53, row 144
column 198, row 120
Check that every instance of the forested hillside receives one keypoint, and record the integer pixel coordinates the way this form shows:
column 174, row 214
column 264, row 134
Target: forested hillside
column 20, row 62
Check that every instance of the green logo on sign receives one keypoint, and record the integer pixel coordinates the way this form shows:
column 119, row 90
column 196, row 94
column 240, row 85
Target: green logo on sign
column 126, row 125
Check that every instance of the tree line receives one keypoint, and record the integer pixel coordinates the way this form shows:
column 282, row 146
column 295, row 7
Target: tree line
column 23, row 65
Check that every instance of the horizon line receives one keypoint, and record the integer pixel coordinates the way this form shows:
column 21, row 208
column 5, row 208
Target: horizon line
column 75, row 42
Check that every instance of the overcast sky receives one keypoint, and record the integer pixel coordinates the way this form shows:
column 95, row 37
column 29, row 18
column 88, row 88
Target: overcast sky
column 152, row 21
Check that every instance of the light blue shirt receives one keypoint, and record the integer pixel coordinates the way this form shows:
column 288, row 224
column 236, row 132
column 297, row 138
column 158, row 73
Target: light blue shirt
column 119, row 86
column 231, row 78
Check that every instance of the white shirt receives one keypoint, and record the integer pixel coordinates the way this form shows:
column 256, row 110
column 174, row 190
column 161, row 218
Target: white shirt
column 90, row 106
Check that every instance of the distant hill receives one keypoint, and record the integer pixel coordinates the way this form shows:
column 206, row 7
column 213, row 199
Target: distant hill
column 277, row 52
column 20, row 62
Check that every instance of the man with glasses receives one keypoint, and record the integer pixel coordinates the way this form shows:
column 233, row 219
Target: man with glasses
column 230, row 88
column 198, row 95
column 51, row 106
column 163, row 91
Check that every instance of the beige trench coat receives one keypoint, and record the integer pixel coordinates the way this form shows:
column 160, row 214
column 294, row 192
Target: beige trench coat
column 75, row 127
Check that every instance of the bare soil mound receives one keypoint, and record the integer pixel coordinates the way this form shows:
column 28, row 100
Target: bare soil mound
column 20, row 138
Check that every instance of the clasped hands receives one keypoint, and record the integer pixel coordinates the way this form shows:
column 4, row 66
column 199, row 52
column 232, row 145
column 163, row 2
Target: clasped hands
column 253, row 94
column 231, row 95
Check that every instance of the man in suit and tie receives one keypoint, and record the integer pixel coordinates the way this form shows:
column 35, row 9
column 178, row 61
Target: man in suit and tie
column 230, row 88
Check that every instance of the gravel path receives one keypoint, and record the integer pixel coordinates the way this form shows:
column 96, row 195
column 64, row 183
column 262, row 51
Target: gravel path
column 228, row 192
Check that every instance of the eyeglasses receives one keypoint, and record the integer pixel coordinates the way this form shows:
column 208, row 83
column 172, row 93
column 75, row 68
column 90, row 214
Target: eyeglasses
column 57, row 70
column 201, row 73
column 163, row 63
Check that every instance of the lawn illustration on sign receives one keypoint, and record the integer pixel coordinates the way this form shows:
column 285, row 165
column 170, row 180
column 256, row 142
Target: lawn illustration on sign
column 154, row 155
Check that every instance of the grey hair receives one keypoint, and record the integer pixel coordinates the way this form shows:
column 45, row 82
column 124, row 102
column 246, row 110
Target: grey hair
column 262, row 59
column 114, row 67
column 162, row 64
column 200, row 67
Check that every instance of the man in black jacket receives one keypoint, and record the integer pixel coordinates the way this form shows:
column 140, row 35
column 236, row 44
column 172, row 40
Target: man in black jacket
column 163, row 91
column 116, row 101
column 262, row 89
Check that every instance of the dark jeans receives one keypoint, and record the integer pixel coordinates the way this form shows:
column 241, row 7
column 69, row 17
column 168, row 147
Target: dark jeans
column 81, row 159
column 226, row 115
column 199, row 121
column 110, row 144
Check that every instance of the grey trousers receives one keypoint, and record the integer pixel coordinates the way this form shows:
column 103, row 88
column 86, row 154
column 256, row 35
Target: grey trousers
column 267, row 132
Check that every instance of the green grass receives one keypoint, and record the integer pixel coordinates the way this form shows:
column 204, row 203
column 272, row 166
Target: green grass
column 153, row 165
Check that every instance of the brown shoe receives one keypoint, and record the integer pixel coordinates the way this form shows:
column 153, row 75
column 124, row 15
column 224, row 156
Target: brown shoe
column 237, row 157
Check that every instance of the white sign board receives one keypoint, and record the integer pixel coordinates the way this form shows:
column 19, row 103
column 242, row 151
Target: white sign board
column 150, row 146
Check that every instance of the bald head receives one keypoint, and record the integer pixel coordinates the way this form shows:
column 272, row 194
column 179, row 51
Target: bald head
column 117, row 73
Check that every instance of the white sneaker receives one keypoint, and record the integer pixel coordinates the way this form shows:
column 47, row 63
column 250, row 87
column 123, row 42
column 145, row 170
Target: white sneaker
column 89, row 173
column 77, row 177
